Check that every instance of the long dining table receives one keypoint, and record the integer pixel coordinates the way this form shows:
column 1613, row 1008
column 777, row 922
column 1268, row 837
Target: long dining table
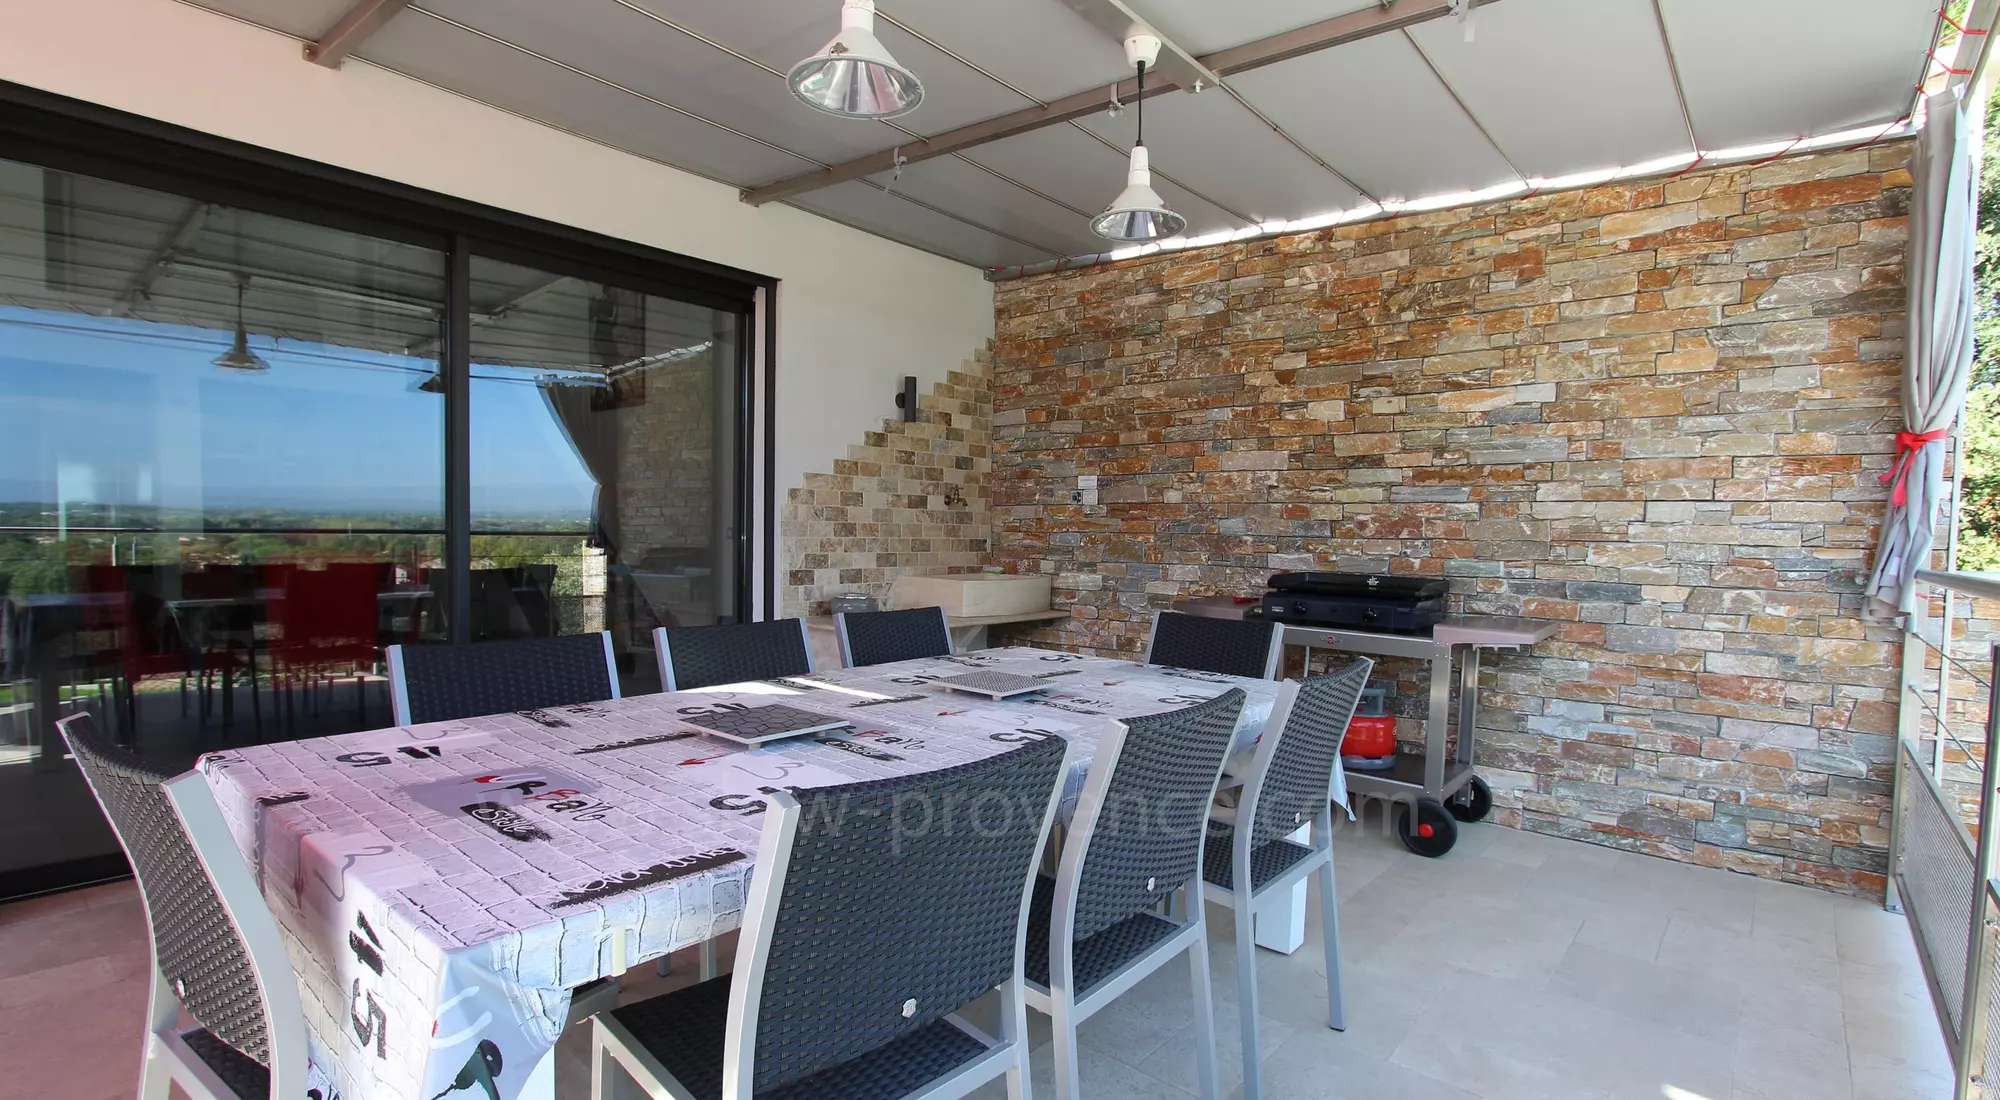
column 443, row 887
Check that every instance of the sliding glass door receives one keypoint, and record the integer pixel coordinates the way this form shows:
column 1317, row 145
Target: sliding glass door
column 230, row 474
column 604, row 425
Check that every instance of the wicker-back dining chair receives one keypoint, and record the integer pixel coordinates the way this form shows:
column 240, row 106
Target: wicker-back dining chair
column 879, row 910
column 731, row 653
column 1230, row 647
column 216, row 950
column 879, row 637
column 440, row 683
column 1134, row 843
column 1288, row 789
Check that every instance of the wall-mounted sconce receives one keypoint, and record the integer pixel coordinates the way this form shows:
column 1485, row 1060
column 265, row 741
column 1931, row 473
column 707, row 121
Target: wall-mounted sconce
column 906, row 398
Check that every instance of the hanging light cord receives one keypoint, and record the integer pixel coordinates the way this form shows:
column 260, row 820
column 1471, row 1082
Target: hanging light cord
column 1140, row 97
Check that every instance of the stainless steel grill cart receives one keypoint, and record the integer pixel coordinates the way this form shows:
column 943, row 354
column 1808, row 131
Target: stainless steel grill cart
column 1436, row 787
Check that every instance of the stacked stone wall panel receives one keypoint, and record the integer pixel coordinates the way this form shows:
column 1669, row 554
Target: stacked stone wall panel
column 1653, row 411
column 908, row 499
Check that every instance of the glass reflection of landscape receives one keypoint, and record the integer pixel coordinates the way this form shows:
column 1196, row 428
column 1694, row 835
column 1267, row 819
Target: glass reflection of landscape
column 222, row 478
column 334, row 454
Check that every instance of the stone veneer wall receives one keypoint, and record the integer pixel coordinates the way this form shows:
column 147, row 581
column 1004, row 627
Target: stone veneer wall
column 1650, row 411
column 910, row 499
column 666, row 461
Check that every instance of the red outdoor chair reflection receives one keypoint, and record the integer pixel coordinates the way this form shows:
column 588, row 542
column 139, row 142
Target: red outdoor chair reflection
column 325, row 625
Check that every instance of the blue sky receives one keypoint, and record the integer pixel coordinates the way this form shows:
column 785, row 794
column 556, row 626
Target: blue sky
column 132, row 412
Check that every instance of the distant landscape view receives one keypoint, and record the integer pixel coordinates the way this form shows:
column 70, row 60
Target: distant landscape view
column 121, row 444
column 38, row 554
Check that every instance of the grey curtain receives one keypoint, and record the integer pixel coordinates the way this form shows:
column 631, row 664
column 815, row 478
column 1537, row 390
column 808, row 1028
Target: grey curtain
column 594, row 437
column 614, row 330
column 1937, row 359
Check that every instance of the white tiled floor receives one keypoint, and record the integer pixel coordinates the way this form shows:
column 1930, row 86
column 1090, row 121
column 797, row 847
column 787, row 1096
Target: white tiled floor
column 1519, row 967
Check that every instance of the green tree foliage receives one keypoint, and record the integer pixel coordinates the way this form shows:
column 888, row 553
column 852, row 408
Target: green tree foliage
column 1979, row 514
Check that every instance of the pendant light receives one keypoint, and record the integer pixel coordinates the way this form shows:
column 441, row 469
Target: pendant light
column 239, row 356
column 853, row 76
column 1139, row 214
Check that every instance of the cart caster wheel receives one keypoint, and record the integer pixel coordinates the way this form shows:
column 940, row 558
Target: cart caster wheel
column 1430, row 831
column 1472, row 802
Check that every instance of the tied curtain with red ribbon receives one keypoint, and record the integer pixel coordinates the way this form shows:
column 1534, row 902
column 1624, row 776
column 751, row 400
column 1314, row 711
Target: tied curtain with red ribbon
column 1937, row 359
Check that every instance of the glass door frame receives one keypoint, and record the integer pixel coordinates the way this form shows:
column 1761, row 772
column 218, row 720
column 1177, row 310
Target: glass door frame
column 55, row 132
column 456, row 365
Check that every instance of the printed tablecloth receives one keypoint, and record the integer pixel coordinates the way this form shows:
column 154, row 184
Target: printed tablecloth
column 442, row 887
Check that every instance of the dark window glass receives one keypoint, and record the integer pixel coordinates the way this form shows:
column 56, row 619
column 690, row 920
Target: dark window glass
column 221, row 481
column 603, row 460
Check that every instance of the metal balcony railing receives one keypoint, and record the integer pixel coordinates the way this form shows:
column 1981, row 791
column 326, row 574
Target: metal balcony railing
column 1941, row 850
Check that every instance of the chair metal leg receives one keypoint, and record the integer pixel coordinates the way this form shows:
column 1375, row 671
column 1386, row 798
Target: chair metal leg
column 1246, row 994
column 1209, row 1083
column 163, row 1009
column 601, row 1064
column 156, row 1082
column 1062, row 1019
column 1329, row 923
column 1014, row 1032
column 709, row 968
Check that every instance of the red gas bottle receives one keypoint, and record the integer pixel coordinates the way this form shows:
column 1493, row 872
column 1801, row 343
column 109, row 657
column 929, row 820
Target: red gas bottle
column 1370, row 744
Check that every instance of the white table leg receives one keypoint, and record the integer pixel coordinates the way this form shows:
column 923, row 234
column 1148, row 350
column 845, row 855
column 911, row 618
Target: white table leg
column 541, row 1082
column 968, row 639
column 1281, row 920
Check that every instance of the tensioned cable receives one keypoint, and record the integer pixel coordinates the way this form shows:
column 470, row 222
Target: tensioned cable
column 1944, row 728
column 1040, row 102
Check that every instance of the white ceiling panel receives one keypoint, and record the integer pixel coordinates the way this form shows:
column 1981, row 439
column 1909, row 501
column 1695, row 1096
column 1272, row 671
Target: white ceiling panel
column 466, row 63
column 1214, row 145
column 1038, row 46
column 626, row 47
column 979, row 196
column 1068, row 164
column 306, row 19
column 1564, row 86
column 1204, row 26
column 1374, row 110
column 954, row 94
column 1777, row 69
column 866, row 208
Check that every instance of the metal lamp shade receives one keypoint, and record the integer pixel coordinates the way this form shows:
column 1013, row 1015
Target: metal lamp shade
column 1138, row 214
column 239, row 356
column 854, row 76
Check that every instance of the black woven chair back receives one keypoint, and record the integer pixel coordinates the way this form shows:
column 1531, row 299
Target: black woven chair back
column 1147, row 838
column 203, row 959
column 878, row 637
column 901, row 903
column 736, row 653
column 1299, row 779
column 446, row 682
column 1232, row 647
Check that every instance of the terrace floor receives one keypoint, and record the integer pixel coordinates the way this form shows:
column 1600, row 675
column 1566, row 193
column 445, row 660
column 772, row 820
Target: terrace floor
column 1519, row 967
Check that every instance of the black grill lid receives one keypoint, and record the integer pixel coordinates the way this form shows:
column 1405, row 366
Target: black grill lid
column 1360, row 584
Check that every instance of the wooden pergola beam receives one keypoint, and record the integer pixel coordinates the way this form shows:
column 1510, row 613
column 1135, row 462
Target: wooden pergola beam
column 362, row 20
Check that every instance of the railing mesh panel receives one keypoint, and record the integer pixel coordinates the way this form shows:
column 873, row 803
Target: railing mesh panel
column 1937, row 880
column 1989, row 1044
